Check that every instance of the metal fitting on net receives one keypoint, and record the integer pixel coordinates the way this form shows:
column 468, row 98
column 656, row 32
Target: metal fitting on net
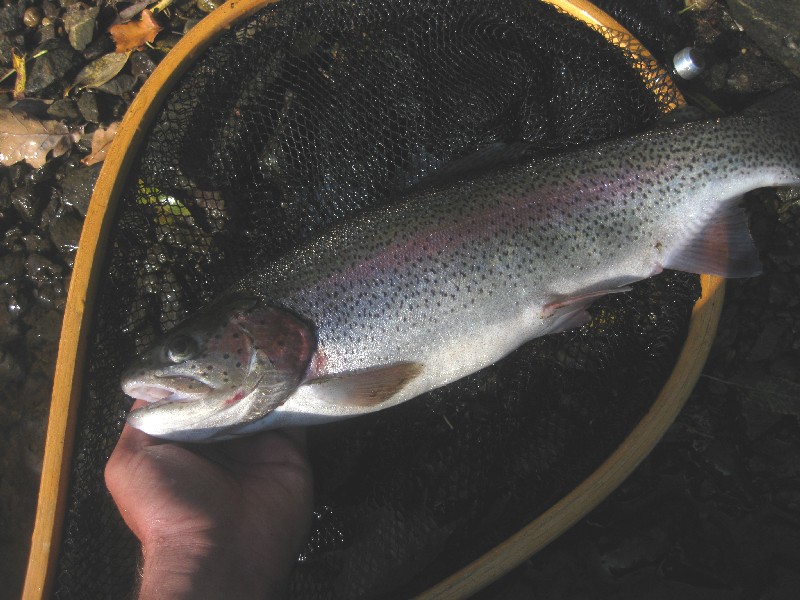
column 688, row 63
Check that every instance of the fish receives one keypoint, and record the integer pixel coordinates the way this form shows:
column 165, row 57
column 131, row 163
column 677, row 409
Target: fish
column 450, row 278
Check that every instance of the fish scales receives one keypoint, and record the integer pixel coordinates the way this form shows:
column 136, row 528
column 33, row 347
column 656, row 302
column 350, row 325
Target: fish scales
column 414, row 295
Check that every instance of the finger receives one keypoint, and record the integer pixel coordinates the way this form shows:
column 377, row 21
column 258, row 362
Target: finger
column 130, row 443
column 277, row 447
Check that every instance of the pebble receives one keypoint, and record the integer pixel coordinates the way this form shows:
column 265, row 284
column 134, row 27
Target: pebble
column 10, row 18
column 119, row 85
column 11, row 369
column 13, row 240
column 28, row 202
column 65, row 231
column 79, row 21
column 142, row 65
column 36, row 243
column 774, row 26
column 44, row 326
column 7, row 212
column 51, row 69
column 64, row 109
column 51, row 9
column 47, row 278
column 47, row 31
column 12, row 267
column 32, row 16
column 9, row 325
column 77, row 187
column 767, row 341
column 208, row 5
column 87, row 105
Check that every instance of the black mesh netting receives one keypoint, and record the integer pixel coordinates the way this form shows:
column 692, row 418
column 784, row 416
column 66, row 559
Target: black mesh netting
column 311, row 110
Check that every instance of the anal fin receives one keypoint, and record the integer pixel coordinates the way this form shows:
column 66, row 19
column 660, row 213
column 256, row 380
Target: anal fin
column 368, row 387
column 723, row 247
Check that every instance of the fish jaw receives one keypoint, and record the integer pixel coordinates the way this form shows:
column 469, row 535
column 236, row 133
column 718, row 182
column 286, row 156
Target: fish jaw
column 230, row 364
column 167, row 389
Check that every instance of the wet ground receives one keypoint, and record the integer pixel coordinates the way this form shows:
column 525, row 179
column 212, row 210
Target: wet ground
column 714, row 512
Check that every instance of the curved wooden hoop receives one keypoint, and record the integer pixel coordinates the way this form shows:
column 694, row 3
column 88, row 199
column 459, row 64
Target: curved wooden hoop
column 67, row 381
column 68, row 377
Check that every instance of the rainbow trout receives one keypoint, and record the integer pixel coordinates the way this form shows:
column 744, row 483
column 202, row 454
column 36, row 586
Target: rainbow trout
column 403, row 299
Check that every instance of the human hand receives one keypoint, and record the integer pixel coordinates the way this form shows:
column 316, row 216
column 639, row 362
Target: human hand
column 223, row 520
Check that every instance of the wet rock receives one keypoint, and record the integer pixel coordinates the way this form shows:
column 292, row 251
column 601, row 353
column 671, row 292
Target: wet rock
column 767, row 341
column 12, row 266
column 12, row 240
column 141, row 65
column 5, row 49
column 44, row 328
column 77, row 187
column 65, row 231
column 47, row 277
column 47, row 31
column 87, row 104
column 35, row 243
column 51, row 9
column 52, row 69
column 189, row 24
column 775, row 27
column 119, row 85
column 7, row 212
column 32, row 16
column 29, row 202
column 79, row 21
column 11, row 18
column 208, row 5
column 115, row 108
column 64, row 109
column 11, row 369
column 49, row 212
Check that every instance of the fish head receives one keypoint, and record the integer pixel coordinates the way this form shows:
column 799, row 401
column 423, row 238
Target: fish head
column 229, row 364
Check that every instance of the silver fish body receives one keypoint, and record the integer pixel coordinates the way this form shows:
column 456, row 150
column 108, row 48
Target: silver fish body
column 409, row 297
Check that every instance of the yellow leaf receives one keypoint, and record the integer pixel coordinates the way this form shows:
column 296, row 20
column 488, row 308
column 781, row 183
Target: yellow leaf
column 18, row 62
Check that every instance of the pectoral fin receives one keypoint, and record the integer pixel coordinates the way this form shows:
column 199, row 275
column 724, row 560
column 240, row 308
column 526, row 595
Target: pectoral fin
column 365, row 388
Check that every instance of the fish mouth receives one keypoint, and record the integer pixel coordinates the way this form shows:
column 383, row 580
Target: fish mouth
column 168, row 390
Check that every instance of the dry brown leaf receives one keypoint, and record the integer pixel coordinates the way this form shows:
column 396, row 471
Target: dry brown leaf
column 29, row 139
column 135, row 34
column 101, row 142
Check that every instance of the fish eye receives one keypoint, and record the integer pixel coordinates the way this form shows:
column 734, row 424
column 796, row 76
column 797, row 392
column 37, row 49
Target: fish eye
column 181, row 348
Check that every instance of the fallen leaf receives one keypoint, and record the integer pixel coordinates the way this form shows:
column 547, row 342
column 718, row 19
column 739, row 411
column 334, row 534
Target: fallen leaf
column 18, row 62
column 99, row 71
column 135, row 34
column 29, row 139
column 101, row 142
column 169, row 210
